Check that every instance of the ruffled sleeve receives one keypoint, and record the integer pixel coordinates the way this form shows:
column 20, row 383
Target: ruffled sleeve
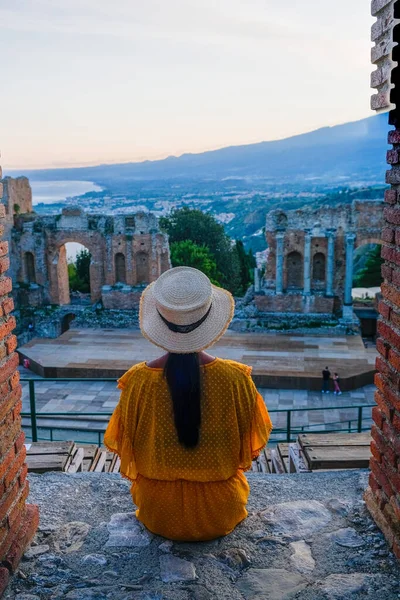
column 257, row 436
column 120, row 433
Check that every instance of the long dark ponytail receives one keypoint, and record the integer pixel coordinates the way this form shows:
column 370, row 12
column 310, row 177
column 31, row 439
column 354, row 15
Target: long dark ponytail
column 182, row 372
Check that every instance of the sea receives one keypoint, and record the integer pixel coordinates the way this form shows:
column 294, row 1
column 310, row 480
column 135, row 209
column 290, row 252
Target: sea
column 48, row 192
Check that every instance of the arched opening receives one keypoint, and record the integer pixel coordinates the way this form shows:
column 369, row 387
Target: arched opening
column 120, row 269
column 70, row 274
column 318, row 268
column 367, row 279
column 142, row 268
column 30, row 273
column 294, row 270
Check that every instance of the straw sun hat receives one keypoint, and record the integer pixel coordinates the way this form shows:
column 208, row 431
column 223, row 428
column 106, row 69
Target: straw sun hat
column 183, row 312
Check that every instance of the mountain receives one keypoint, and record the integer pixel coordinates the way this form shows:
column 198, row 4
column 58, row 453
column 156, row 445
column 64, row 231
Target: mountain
column 352, row 152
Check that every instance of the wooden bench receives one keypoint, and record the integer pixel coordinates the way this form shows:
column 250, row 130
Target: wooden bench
column 328, row 451
column 70, row 458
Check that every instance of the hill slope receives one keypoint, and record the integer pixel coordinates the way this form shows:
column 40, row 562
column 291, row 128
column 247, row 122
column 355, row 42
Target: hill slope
column 351, row 152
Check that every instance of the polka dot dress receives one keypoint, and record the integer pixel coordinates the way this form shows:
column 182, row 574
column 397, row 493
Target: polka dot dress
column 198, row 493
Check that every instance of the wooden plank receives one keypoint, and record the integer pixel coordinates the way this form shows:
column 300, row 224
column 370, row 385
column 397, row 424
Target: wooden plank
column 112, row 464
column 70, row 457
column 95, row 459
column 90, row 452
column 334, row 439
column 117, row 465
column 76, row 464
column 263, row 462
column 101, row 462
column 276, row 461
column 267, row 453
column 38, row 448
column 337, row 457
column 297, row 461
column 43, row 463
column 283, row 449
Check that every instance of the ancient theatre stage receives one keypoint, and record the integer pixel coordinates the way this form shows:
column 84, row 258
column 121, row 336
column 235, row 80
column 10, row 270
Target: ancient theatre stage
column 278, row 361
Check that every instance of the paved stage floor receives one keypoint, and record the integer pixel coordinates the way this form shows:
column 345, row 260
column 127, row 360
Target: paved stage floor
column 278, row 361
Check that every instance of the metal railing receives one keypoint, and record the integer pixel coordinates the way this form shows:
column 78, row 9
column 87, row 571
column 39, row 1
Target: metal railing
column 289, row 432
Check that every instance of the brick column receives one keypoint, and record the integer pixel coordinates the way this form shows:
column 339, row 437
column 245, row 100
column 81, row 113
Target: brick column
column 330, row 267
column 307, row 262
column 383, row 494
column 279, row 262
column 18, row 520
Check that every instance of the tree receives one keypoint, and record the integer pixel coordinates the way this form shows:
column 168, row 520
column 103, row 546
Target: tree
column 246, row 264
column 189, row 254
column 79, row 272
column 202, row 229
column 370, row 275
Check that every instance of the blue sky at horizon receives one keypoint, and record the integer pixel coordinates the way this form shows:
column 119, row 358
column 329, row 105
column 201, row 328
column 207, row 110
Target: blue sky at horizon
column 89, row 81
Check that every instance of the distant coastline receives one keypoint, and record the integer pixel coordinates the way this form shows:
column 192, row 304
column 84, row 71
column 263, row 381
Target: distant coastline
column 49, row 192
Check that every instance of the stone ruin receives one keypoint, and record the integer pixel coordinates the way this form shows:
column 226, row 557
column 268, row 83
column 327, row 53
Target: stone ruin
column 310, row 261
column 127, row 251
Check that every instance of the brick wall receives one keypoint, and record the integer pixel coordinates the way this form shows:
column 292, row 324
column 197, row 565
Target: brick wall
column 383, row 495
column 18, row 520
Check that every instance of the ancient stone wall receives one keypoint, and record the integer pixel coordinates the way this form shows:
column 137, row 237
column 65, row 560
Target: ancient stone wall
column 309, row 267
column 381, row 53
column 383, row 495
column 127, row 253
column 18, row 520
column 17, row 196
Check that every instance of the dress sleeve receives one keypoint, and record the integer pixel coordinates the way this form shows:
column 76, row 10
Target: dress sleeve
column 257, row 436
column 121, row 429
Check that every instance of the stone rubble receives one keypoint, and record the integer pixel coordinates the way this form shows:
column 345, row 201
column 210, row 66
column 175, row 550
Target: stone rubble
column 297, row 542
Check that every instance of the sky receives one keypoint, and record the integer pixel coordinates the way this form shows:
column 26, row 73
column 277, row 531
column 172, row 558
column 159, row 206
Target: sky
column 93, row 81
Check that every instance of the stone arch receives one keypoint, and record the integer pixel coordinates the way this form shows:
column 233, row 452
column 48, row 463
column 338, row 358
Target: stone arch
column 120, row 268
column 319, row 268
column 58, row 268
column 142, row 268
column 30, row 271
column 294, row 270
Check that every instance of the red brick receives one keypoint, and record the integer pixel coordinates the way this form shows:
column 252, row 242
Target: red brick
column 14, row 380
column 11, row 344
column 7, row 327
column 8, row 403
column 396, row 423
column 19, row 442
column 382, row 348
column 9, row 367
column 381, row 499
column 5, row 285
column 384, row 406
column 377, row 416
column 3, row 248
column 6, row 462
column 25, row 534
column 17, row 512
column 388, row 253
column 7, row 306
column 391, row 196
column 394, row 136
column 387, row 272
column 395, row 318
column 388, row 333
column 4, row 264
column 397, row 237
column 380, row 476
column 384, row 309
column 394, row 359
column 376, row 452
column 388, row 235
column 8, row 500
column 23, row 474
column 373, row 484
column 392, row 157
column 17, row 410
column 15, row 468
column 4, row 579
column 392, row 214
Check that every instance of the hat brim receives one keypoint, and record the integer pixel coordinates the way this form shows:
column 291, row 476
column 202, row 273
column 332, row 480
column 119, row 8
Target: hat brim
column 157, row 332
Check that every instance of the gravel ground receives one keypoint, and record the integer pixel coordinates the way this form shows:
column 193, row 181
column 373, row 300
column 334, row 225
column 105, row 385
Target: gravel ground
column 308, row 536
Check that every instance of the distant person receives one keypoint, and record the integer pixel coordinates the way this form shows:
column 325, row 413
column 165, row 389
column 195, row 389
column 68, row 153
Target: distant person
column 336, row 386
column 188, row 424
column 326, row 375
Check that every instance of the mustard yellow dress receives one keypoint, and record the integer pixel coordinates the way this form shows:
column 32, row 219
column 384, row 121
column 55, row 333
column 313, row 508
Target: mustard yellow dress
column 189, row 494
